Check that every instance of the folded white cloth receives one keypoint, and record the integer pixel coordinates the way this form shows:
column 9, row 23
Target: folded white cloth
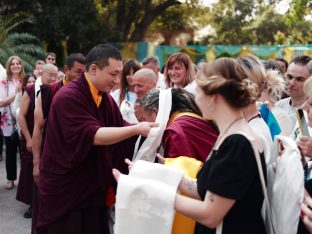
column 145, row 199
column 158, row 172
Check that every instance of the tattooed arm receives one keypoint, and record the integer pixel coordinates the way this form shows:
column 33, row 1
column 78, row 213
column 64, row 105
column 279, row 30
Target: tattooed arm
column 189, row 188
column 209, row 212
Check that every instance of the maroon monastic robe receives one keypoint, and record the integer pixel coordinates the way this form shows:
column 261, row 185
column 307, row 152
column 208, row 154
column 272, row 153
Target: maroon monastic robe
column 26, row 179
column 47, row 92
column 75, row 174
column 189, row 136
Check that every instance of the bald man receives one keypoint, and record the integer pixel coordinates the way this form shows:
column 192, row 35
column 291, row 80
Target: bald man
column 144, row 80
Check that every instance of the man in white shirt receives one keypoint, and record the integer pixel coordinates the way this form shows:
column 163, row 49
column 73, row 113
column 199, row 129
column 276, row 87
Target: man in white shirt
column 297, row 74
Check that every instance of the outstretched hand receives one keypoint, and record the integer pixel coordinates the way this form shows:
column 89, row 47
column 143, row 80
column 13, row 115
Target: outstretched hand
column 145, row 127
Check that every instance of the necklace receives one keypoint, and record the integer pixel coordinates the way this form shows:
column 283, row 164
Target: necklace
column 227, row 128
column 254, row 117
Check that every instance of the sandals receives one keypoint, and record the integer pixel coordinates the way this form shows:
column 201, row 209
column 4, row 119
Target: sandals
column 9, row 184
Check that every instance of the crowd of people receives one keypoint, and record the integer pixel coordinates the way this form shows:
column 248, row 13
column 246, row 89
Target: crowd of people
column 74, row 128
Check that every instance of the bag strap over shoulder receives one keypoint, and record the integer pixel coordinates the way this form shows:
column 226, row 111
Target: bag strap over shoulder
column 268, row 210
column 264, row 188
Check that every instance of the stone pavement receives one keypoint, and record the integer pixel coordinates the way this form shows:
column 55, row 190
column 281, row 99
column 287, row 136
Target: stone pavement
column 11, row 210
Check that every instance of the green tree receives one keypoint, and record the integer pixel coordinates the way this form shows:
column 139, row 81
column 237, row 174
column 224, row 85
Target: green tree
column 78, row 25
column 25, row 45
column 129, row 20
column 263, row 29
column 257, row 22
column 228, row 18
column 298, row 10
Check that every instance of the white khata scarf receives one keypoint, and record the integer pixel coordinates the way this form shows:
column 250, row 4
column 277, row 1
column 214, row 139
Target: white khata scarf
column 149, row 147
column 145, row 199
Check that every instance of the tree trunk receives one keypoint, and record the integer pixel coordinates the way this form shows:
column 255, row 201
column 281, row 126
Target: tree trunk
column 149, row 16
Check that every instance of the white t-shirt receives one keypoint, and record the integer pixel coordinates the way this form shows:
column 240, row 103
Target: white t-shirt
column 7, row 120
column 130, row 97
column 161, row 84
column 289, row 110
column 283, row 120
column 127, row 105
column 37, row 87
column 191, row 87
column 262, row 130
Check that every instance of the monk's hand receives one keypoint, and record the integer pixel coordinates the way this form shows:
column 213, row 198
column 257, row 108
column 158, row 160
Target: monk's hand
column 116, row 174
column 145, row 127
column 36, row 173
column 29, row 145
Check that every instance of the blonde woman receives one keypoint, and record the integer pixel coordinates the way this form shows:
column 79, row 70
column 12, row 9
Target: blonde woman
column 255, row 72
column 9, row 87
column 272, row 93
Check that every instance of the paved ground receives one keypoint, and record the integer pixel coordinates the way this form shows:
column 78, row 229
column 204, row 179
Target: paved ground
column 11, row 211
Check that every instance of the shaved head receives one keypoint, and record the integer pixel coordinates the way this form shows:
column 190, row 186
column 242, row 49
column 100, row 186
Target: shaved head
column 49, row 73
column 147, row 73
column 144, row 80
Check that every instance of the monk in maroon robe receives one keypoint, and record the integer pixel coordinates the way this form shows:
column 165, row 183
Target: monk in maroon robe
column 85, row 138
column 75, row 65
column 26, row 122
column 187, row 133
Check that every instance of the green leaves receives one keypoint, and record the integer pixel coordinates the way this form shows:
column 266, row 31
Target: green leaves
column 25, row 45
column 257, row 22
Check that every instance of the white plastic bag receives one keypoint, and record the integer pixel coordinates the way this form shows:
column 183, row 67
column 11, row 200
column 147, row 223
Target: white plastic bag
column 285, row 186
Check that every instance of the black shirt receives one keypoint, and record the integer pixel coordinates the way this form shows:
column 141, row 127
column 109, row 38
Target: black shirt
column 232, row 172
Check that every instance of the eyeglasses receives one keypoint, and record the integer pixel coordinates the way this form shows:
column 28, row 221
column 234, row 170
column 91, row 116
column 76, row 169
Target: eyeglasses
column 51, row 58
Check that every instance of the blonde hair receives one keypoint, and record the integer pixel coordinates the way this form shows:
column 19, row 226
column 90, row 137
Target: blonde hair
column 307, row 88
column 275, row 84
column 226, row 77
column 254, row 71
column 8, row 70
column 182, row 59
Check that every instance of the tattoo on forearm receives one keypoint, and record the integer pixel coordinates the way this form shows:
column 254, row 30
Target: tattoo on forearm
column 210, row 197
column 190, row 184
